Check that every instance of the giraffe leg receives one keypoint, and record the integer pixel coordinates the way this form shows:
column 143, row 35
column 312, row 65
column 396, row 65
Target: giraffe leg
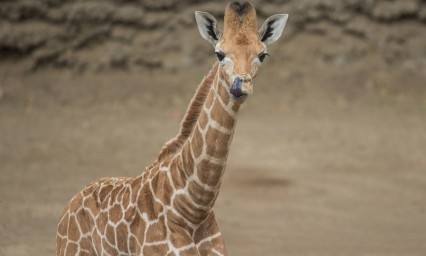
column 208, row 239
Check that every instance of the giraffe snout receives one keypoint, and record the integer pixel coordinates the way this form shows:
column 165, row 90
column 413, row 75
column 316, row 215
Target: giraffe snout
column 247, row 84
column 242, row 86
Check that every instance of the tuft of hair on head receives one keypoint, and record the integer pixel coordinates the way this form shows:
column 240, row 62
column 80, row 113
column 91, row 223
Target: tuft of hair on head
column 239, row 8
column 239, row 18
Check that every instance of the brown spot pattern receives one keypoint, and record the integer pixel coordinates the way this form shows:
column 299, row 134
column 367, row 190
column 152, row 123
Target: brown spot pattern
column 209, row 172
column 187, row 162
column 197, row 143
column 199, row 195
column 137, row 228
column 110, row 234
column 221, row 116
column 115, row 213
column 71, row 249
column 219, row 143
column 156, row 249
column 122, row 233
column 157, row 231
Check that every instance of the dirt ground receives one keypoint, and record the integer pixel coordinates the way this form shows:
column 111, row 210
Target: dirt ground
column 328, row 156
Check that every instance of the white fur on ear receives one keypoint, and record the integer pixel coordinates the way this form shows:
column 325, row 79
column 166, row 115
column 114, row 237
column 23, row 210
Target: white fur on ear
column 272, row 28
column 207, row 25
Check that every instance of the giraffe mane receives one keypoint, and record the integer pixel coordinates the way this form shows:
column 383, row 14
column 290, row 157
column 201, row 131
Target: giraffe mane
column 190, row 119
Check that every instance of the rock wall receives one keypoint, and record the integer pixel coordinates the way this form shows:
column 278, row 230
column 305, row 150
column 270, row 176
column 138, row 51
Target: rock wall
column 103, row 34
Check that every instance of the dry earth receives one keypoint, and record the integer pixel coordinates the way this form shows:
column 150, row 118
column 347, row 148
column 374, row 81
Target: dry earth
column 328, row 157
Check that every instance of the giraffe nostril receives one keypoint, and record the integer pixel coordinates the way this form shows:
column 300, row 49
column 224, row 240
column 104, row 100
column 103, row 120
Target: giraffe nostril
column 246, row 78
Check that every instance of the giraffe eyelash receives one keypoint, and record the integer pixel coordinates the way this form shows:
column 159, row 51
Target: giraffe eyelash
column 262, row 56
column 220, row 55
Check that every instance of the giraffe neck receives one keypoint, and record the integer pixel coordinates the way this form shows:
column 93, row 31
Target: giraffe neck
column 202, row 160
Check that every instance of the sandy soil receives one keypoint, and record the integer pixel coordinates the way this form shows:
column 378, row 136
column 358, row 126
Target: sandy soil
column 328, row 158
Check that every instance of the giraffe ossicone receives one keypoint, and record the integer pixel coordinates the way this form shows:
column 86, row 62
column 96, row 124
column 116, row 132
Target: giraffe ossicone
column 168, row 209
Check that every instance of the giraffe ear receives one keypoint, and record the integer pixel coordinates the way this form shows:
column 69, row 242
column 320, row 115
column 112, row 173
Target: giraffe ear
column 207, row 25
column 272, row 28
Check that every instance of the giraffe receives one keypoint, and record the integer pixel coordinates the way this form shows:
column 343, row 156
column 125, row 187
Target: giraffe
column 168, row 209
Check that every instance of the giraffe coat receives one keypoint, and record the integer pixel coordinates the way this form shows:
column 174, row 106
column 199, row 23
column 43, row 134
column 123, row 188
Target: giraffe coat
column 168, row 209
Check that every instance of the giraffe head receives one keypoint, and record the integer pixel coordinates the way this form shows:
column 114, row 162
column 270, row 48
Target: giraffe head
column 240, row 47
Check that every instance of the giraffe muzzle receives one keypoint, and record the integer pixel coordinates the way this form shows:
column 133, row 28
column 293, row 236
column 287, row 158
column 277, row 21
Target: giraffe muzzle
column 241, row 87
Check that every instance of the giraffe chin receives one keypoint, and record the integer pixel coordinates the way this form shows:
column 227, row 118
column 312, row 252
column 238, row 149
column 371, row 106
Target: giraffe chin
column 240, row 89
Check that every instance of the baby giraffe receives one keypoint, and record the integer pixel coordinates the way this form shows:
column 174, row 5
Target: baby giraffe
column 168, row 209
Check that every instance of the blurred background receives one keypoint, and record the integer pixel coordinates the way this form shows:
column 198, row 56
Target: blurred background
column 329, row 155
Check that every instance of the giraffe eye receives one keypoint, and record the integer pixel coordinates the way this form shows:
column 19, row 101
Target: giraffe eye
column 220, row 56
column 262, row 56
